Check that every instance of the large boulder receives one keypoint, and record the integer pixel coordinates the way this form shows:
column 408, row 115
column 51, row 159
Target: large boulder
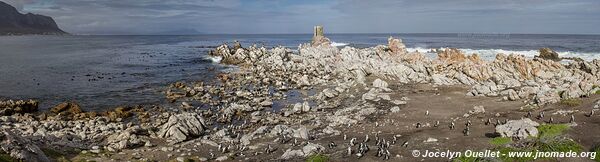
column 182, row 127
column 20, row 148
column 307, row 150
column 396, row 46
column 520, row 129
column 548, row 54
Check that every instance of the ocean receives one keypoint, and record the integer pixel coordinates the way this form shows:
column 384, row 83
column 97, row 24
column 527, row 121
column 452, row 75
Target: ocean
column 101, row 72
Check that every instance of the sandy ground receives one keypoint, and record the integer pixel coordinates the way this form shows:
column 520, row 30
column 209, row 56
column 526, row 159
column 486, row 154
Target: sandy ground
column 445, row 104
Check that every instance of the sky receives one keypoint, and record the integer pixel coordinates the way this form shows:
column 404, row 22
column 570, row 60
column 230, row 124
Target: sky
column 337, row 16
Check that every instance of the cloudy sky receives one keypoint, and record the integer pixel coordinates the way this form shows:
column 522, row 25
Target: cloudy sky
column 338, row 16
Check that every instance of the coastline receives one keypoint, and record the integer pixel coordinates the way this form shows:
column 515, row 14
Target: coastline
column 356, row 92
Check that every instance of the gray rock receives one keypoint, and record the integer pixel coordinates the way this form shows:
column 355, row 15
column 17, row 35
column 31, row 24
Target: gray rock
column 477, row 110
column 395, row 109
column 289, row 154
column 305, row 107
column 311, row 148
column 20, row 148
column 518, row 128
column 378, row 83
column 181, row 127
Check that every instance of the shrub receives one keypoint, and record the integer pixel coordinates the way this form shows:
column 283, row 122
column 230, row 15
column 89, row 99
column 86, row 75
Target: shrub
column 317, row 158
column 500, row 141
column 551, row 130
column 571, row 102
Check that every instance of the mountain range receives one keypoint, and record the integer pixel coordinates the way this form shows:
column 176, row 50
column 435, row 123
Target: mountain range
column 14, row 23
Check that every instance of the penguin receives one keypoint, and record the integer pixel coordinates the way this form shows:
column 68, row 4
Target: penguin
column 572, row 119
column 295, row 142
column 405, row 144
column 212, row 155
column 451, row 125
column 418, row 125
column 591, row 113
column 437, row 123
column 540, row 116
column 528, row 114
column 269, row 149
column 332, row 145
column 345, row 137
column 366, row 138
column 349, row 150
column 468, row 123
column 551, row 120
column 353, row 141
column 427, row 113
column 386, row 156
column 488, row 122
column 394, row 140
column 225, row 149
column 466, row 131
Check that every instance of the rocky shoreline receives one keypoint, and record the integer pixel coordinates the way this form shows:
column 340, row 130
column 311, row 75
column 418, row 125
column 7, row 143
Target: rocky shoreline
column 319, row 100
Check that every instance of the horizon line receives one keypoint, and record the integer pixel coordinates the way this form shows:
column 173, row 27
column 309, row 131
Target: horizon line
column 596, row 34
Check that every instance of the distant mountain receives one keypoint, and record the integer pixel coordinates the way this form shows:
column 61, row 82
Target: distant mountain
column 14, row 23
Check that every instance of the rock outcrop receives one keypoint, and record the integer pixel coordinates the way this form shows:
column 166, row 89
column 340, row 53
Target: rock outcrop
column 519, row 129
column 10, row 107
column 20, row 148
column 396, row 46
column 549, row 54
column 181, row 127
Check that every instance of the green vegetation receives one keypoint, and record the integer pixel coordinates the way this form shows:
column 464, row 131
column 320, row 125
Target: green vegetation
column 551, row 130
column 597, row 150
column 550, row 139
column 560, row 145
column 317, row 158
column 500, row 141
column 571, row 102
column 597, row 92
column 4, row 157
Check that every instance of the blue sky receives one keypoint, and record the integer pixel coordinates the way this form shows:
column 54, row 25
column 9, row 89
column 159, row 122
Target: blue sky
column 338, row 16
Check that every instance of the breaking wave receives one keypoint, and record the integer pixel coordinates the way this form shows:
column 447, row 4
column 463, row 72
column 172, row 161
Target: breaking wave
column 336, row 44
column 490, row 54
column 214, row 59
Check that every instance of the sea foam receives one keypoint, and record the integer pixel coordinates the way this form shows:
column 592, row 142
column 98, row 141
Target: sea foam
column 490, row 54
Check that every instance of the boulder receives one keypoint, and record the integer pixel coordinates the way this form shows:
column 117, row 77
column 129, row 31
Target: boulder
column 378, row 83
column 548, row 54
column 396, row 46
column 307, row 150
column 520, row 129
column 182, row 127
column 19, row 148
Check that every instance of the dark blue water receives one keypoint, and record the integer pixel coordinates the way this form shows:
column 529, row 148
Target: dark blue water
column 102, row 72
